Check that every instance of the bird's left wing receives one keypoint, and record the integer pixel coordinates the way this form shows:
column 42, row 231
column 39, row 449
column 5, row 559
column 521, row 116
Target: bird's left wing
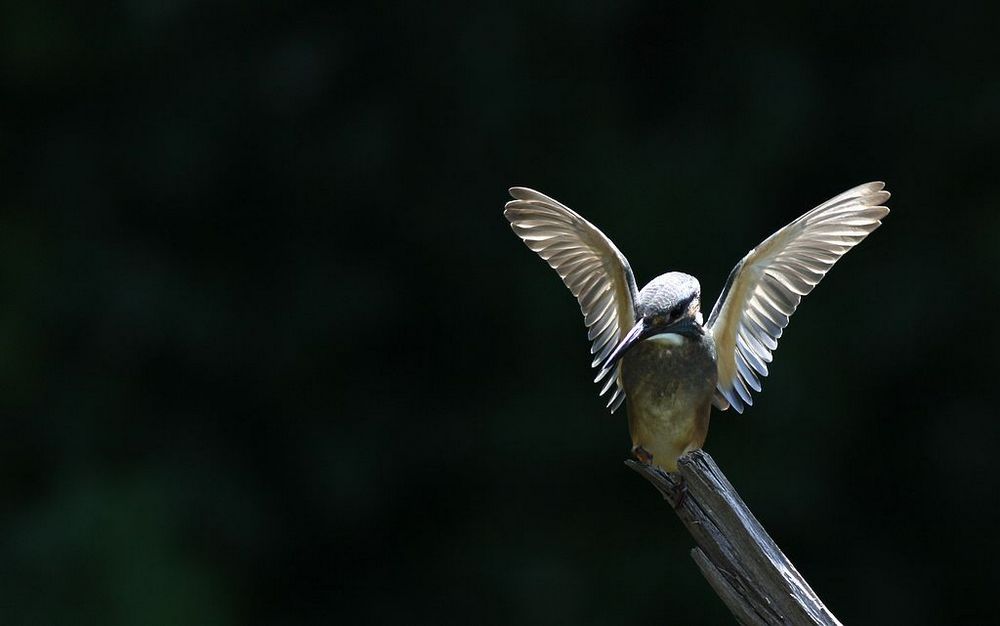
column 589, row 264
column 764, row 288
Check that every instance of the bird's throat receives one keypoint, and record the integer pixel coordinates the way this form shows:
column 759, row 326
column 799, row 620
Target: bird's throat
column 668, row 339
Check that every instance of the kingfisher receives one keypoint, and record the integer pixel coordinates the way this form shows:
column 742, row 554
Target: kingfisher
column 653, row 348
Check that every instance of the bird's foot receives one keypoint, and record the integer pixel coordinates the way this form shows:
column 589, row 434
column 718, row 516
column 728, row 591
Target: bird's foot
column 681, row 490
column 642, row 455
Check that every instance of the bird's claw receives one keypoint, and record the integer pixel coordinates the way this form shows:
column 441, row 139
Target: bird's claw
column 642, row 455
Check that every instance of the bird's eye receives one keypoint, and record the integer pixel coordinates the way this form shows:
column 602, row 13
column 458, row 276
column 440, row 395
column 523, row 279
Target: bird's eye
column 676, row 311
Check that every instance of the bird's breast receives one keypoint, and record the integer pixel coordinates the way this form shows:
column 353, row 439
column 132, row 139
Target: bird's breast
column 669, row 381
column 667, row 364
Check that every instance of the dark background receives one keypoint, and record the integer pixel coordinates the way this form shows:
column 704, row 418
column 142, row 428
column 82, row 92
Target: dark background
column 269, row 353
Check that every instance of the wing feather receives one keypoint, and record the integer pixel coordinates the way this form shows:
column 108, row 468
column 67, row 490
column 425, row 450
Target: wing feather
column 593, row 269
column 765, row 288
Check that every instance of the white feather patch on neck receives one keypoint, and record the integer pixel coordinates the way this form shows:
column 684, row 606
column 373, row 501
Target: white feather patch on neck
column 669, row 339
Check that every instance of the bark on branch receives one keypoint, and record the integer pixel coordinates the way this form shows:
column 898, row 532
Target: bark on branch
column 735, row 554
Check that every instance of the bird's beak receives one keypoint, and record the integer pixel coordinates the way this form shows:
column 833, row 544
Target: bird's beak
column 642, row 329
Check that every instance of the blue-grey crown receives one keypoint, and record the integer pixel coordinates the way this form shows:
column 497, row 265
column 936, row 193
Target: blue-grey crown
column 666, row 291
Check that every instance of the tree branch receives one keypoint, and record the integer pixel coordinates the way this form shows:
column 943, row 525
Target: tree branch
column 741, row 562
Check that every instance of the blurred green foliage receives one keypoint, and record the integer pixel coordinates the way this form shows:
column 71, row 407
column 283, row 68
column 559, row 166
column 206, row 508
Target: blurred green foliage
column 270, row 354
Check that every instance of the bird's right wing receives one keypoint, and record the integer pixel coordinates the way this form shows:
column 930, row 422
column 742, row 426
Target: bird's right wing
column 591, row 267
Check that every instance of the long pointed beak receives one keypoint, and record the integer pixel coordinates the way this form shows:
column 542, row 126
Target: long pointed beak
column 640, row 331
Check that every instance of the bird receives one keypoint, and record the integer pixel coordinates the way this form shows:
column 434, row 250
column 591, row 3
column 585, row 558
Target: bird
column 653, row 349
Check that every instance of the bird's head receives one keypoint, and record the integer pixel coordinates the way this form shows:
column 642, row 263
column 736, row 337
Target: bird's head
column 669, row 304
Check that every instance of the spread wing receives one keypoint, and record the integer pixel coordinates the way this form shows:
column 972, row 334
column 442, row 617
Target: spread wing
column 589, row 264
column 764, row 288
